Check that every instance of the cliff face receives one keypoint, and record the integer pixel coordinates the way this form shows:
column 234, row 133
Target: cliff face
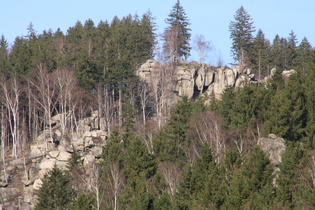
column 193, row 79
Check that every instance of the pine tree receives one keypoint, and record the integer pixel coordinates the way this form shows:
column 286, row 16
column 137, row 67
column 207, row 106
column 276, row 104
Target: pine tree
column 178, row 20
column 241, row 34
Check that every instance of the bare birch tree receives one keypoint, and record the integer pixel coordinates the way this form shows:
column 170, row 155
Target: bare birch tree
column 203, row 47
column 44, row 93
column 207, row 127
column 3, row 141
column 172, row 41
column 105, row 107
column 144, row 94
column 11, row 96
column 66, row 85
column 172, row 175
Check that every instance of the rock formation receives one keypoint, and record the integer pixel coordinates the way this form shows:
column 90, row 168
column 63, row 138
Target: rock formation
column 193, row 79
column 26, row 173
column 273, row 146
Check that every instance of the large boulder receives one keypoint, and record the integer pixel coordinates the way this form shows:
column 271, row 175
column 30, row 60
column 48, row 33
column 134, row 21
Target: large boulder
column 47, row 164
column 273, row 146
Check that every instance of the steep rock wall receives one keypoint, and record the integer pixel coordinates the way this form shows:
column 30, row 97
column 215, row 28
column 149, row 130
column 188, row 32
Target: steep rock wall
column 193, row 79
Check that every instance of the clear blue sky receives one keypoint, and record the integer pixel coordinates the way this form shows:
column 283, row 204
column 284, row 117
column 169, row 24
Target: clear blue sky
column 210, row 18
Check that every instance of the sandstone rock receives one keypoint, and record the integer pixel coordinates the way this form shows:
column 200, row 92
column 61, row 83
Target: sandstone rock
column 273, row 146
column 88, row 141
column 94, row 134
column 87, row 134
column 287, row 73
column 58, row 133
column 239, row 83
column 63, row 156
column 230, row 77
column 88, row 159
column 47, row 164
column 37, row 184
column 53, row 154
column 200, row 79
column 97, row 151
column 209, row 77
column 32, row 173
column 61, row 148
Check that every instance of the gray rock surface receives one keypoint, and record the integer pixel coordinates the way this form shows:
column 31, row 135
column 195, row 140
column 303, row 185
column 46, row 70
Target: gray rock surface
column 273, row 146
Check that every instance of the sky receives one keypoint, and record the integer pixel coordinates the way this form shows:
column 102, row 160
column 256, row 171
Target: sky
column 210, row 18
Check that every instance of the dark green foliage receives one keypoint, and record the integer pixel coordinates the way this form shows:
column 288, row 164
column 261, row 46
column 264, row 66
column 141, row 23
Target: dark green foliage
column 178, row 19
column 253, row 180
column 259, row 57
column 286, row 181
column 287, row 115
column 56, row 191
column 304, row 56
column 84, row 202
column 173, row 141
column 74, row 161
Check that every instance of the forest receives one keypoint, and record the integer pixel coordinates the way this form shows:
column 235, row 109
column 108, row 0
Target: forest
column 201, row 156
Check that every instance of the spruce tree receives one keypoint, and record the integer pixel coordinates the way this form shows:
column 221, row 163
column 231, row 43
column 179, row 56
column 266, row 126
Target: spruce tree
column 55, row 192
column 241, row 34
column 260, row 54
column 178, row 19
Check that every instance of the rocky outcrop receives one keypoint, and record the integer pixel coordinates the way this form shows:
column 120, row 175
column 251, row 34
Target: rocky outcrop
column 193, row 79
column 273, row 147
column 24, row 175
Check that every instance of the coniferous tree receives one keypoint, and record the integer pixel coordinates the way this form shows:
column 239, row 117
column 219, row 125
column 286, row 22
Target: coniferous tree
column 304, row 53
column 276, row 53
column 260, row 55
column 4, row 55
column 286, row 181
column 55, row 192
column 241, row 34
column 178, row 23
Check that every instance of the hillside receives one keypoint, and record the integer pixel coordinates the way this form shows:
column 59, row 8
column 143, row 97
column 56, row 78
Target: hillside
column 105, row 117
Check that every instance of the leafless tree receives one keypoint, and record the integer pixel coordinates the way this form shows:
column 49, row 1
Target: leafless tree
column 66, row 85
column 146, row 132
column 144, row 94
column 172, row 41
column 172, row 175
column 203, row 47
column 44, row 92
column 105, row 107
column 3, row 141
column 11, row 96
column 115, row 182
column 207, row 127
column 163, row 87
